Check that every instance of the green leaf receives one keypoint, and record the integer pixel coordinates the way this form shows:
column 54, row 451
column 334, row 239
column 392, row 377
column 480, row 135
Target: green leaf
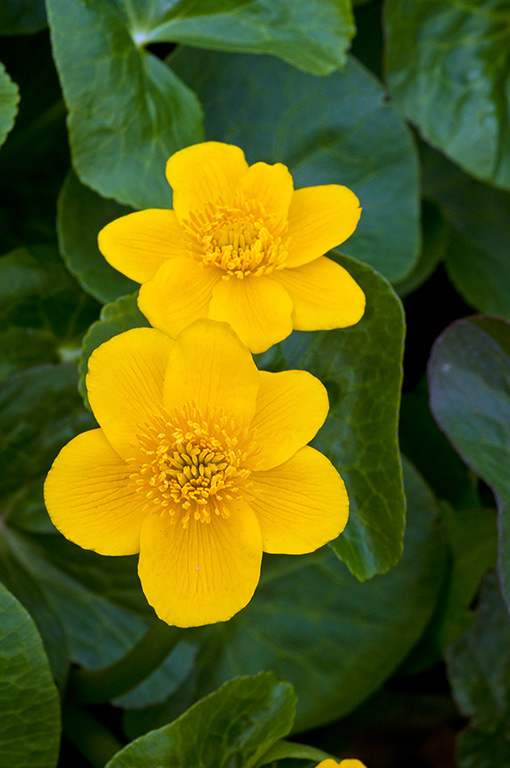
column 472, row 551
column 22, row 17
column 29, row 702
column 233, row 726
column 43, row 313
column 432, row 454
column 284, row 749
column 81, row 214
column 321, row 628
column 310, row 34
column 434, row 249
column 479, row 672
column 128, row 112
column 9, row 98
column 469, row 374
column 115, row 318
column 473, row 540
column 447, row 68
column 85, row 605
column 334, row 130
column 477, row 244
column 359, row 435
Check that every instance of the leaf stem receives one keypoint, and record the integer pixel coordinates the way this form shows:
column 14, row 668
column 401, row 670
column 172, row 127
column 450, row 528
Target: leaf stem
column 92, row 739
column 94, row 686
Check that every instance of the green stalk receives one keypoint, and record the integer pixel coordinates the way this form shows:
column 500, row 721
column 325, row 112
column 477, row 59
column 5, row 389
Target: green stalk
column 94, row 686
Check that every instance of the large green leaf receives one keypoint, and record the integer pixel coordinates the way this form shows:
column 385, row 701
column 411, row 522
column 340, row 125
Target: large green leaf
column 334, row 130
column 43, row 313
column 232, row 727
column 334, row 638
column 447, row 66
column 469, row 379
column 361, row 368
column 128, row 112
column 9, row 97
column 310, row 34
column 479, row 671
column 22, row 17
column 29, row 703
column 81, row 213
column 478, row 217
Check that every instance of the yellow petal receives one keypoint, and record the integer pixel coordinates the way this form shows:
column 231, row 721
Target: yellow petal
column 208, row 366
column 204, row 173
column 320, row 218
column 291, row 408
column 89, row 498
column 300, row 505
column 270, row 185
column 343, row 764
column 203, row 573
column 125, row 384
column 179, row 294
column 258, row 309
column 324, row 295
column 139, row 243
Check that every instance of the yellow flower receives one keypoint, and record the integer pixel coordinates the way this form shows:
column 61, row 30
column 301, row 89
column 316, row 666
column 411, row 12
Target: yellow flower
column 200, row 464
column 241, row 246
column 343, row 764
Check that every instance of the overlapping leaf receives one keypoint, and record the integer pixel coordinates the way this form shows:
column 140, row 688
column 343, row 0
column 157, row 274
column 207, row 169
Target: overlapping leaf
column 334, row 130
column 479, row 671
column 469, row 376
column 233, row 726
column 128, row 112
column 29, row 703
column 477, row 233
column 447, row 67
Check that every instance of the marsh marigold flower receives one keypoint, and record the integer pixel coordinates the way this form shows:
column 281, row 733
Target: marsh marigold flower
column 241, row 246
column 200, row 463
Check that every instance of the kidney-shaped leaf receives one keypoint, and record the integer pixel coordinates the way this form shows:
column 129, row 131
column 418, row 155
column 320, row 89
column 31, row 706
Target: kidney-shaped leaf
column 29, row 702
column 447, row 69
column 310, row 34
column 361, row 367
column 334, row 130
column 469, row 378
column 232, row 727
column 128, row 112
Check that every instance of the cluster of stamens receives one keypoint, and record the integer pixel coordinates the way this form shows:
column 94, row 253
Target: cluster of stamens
column 191, row 463
column 241, row 239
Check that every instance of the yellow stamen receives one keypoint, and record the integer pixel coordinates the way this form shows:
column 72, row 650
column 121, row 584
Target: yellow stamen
column 193, row 461
column 241, row 239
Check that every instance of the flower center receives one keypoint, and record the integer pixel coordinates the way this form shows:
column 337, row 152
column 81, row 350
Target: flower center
column 191, row 464
column 241, row 239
